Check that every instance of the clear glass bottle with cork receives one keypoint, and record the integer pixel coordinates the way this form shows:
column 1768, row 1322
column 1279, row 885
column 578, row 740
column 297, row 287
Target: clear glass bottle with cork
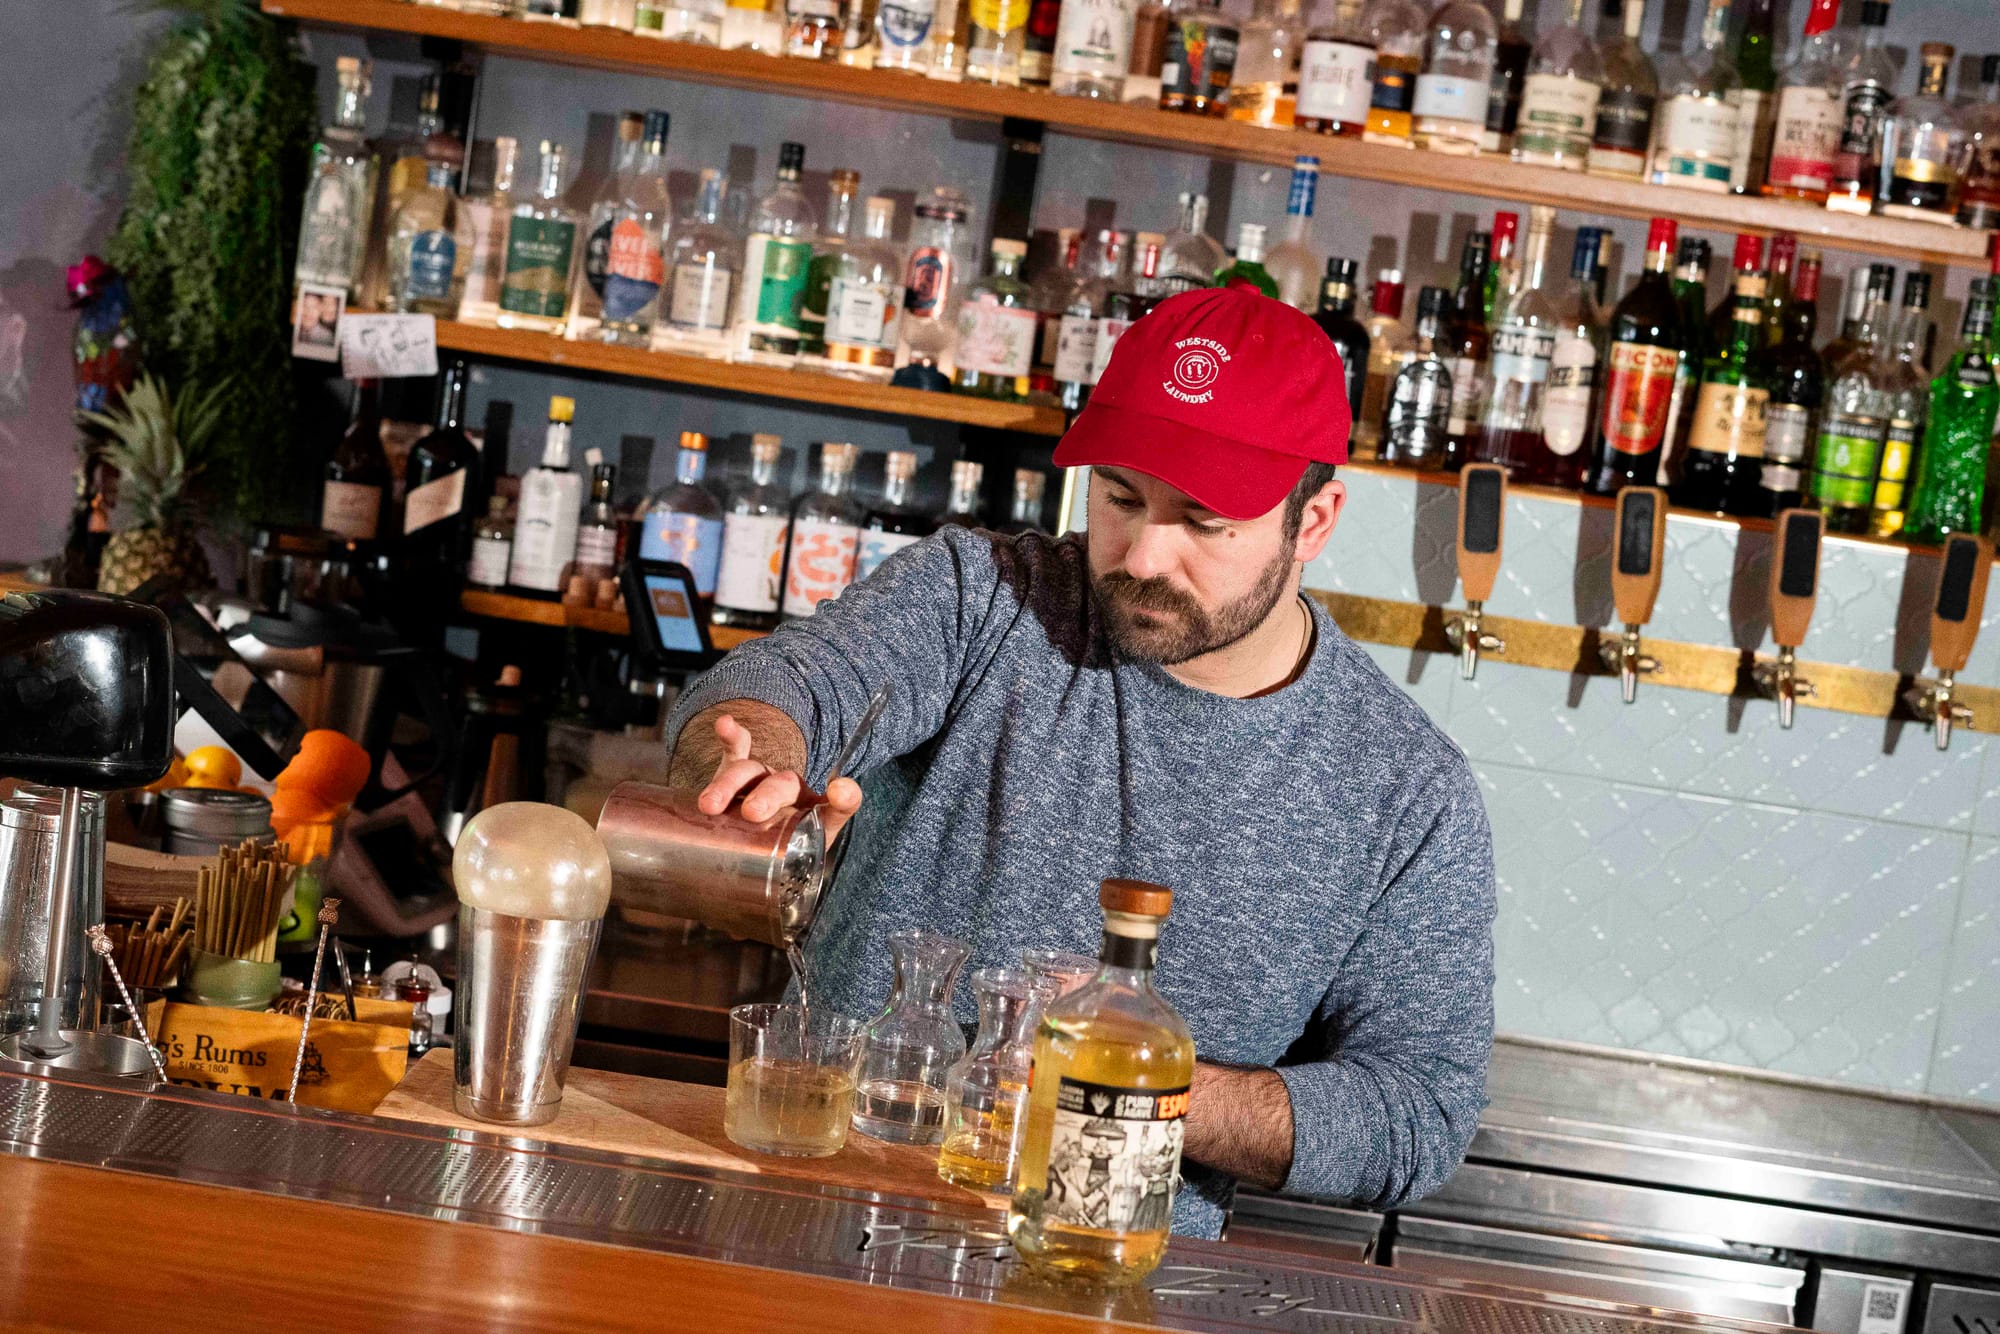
column 747, row 583
column 825, row 535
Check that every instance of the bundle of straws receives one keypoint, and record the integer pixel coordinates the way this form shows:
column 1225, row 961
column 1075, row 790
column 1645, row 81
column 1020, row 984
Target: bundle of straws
column 150, row 956
column 239, row 900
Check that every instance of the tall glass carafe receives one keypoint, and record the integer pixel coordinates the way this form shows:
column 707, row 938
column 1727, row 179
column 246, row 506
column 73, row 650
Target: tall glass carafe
column 986, row 1092
column 913, row 1044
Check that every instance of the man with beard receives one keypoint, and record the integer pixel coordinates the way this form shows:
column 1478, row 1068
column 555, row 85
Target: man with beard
column 1154, row 699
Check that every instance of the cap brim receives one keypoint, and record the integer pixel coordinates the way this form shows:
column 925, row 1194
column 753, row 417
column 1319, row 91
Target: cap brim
column 1235, row 480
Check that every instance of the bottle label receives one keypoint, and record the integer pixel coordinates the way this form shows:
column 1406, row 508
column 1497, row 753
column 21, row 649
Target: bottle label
column 597, row 546
column 1201, row 57
column 822, row 564
column 597, row 257
column 632, row 277
column 329, row 240
column 687, row 539
column 1787, row 432
column 1698, row 139
column 1395, row 89
column 1975, row 372
column 1469, row 385
column 1806, row 140
column 1076, row 349
column 1094, row 37
column 1336, row 80
column 929, row 282
column 998, row 18
column 1558, row 113
column 1114, row 1156
column 1624, row 122
column 877, row 546
column 860, row 313
column 775, row 277
column 1109, row 331
column 753, row 558
column 488, row 226
column 1638, row 396
column 906, row 24
column 994, row 339
column 1566, row 405
column 434, row 502
column 1923, row 183
column 1731, row 420
column 1862, row 110
column 701, row 297
column 539, row 251
column 433, row 256
column 1850, row 450
column 545, row 531
column 1522, row 353
column 1445, row 97
column 1419, row 408
column 489, row 562
column 1899, row 450
column 351, row 510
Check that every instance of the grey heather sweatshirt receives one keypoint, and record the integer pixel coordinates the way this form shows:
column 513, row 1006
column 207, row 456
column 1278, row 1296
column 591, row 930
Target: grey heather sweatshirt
column 1326, row 843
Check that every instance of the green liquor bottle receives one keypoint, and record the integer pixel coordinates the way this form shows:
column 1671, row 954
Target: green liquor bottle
column 1722, row 470
column 1965, row 400
column 1853, row 427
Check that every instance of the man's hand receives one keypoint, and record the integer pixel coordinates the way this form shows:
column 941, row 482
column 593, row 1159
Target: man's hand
column 1239, row 1121
column 761, row 768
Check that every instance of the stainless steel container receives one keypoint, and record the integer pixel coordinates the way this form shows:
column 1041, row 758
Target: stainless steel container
column 516, row 1007
column 203, row 821
column 30, row 823
column 754, row 881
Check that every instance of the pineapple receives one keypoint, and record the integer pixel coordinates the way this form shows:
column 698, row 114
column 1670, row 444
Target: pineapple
column 158, row 443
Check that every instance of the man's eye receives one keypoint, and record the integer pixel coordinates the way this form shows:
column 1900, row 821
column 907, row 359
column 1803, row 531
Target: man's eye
column 1207, row 527
column 1123, row 502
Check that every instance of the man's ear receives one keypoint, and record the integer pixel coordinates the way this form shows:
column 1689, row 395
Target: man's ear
column 1318, row 520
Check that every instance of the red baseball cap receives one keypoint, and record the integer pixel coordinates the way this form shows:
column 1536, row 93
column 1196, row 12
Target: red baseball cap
column 1222, row 393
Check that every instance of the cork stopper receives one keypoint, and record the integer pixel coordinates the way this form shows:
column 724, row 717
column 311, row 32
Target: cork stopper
column 1135, row 898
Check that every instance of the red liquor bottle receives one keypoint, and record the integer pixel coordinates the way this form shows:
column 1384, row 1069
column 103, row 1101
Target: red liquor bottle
column 1646, row 338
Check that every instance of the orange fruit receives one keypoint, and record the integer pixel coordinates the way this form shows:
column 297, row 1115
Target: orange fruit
column 176, row 776
column 213, row 767
column 330, row 765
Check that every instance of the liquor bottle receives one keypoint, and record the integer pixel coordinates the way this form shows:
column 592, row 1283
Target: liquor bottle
column 683, row 522
column 357, row 475
column 905, row 36
column 707, row 259
column 753, row 25
column 1979, row 196
column 994, row 47
column 825, row 536
column 1905, row 393
column 896, row 522
column 545, row 522
column 1695, row 143
column 1750, row 162
column 1334, row 81
column 1795, row 378
column 698, row 22
column 1720, row 321
column 410, row 158
column 1026, row 513
column 1149, row 54
column 864, row 305
column 1349, row 335
column 1200, row 58
column 1391, row 345
column 588, row 578
column 430, row 249
column 1778, row 296
column 1867, row 84
column 1112, row 1067
column 486, row 219
column 1453, row 90
column 1923, row 146
column 1398, row 29
column 1623, row 134
column 1513, row 48
column 1189, row 257
column 1467, row 342
column 1247, row 270
column 1876, row 283
column 933, row 282
column 441, row 472
column 1417, row 428
column 635, row 269
column 1646, row 341
column 1807, row 134
column 775, row 259
column 754, row 529
column 1038, row 44
column 541, row 252
column 1099, row 264
column 1559, row 99
column 340, row 189
column 1291, row 263
column 1264, row 88
column 842, row 185
column 1509, row 432
column 586, row 298
column 1723, row 468
column 996, row 329
column 492, row 547
column 1964, row 401
column 814, row 29
column 1503, row 274
column 1093, row 49
column 1853, row 427
column 1574, row 365
column 857, row 33
column 1049, row 292
column 964, row 509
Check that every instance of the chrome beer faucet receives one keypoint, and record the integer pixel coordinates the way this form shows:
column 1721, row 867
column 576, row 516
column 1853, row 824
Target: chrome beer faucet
column 1482, row 512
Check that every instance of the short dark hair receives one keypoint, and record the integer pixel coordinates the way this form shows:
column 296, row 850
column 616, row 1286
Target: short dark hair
column 1311, row 483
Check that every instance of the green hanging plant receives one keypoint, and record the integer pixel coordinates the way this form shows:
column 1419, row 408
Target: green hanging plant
column 222, row 129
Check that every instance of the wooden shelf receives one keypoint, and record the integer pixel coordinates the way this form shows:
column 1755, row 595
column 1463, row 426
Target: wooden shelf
column 801, row 386
column 534, row 611
column 1487, row 176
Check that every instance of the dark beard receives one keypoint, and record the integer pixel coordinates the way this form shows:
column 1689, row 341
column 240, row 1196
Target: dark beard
column 1180, row 628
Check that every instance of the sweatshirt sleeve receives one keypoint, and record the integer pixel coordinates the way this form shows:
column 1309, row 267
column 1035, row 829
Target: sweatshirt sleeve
column 912, row 625
column 1386, row 1114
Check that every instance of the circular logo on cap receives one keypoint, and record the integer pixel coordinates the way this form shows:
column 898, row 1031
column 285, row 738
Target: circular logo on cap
column 1198, row 364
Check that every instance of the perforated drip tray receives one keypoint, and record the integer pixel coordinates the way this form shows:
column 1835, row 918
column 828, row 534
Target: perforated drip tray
column 525, row 1186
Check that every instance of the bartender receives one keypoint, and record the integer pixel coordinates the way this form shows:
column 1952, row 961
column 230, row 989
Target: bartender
column 1154, row 699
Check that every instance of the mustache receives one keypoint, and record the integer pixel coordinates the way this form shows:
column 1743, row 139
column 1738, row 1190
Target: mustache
column 1155, row 594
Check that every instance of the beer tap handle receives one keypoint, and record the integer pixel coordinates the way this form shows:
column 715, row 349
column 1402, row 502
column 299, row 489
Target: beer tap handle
column 1794, row 591
column 1961, row 600
column 1636, row 567
column 1482, row 521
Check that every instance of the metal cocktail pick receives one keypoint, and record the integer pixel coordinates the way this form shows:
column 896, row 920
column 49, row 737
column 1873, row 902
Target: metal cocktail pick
column 100, row 942
column 329, row 913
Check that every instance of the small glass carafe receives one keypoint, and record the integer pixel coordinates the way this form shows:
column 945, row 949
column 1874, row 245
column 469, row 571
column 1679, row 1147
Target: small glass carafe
column 986, row 1092
column 913, row 1043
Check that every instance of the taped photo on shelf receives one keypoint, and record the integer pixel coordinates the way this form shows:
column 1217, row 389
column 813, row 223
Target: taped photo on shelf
column 375, row 347
column 316, row 322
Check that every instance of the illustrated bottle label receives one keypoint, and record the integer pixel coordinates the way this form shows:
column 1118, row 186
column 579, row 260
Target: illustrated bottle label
column 1336, row 80
column 1445, row 97
column 351, row 510
column 1522, row 353
column 545, row 531
column 1094, row 37
column 774, row 270
column 862, row 313
column 1730, row 419
column 1109, row 331
column 687, row 539
column 906, row 24
column 1806, row 140
column 995, row 339
column 1787, row 432
column 701, row 297
column 1076, row 349
column 1566, row 405
column 539, row 251
column 634, row 272
column 822, row 564
column 1114, row 1156
column 1850, row 449
column 929, row 283
column 877, row 546
column 1469, row 386
column 1201, row 57
column 1698, row 139
column 433, row 502
column 433, row 256
column 488, row 567
column 1862, row 110
column 597, row 257
column 1419, row 408
column 753, row 557
column 1638, row 396
column 1558, row 114
column 1892, row 476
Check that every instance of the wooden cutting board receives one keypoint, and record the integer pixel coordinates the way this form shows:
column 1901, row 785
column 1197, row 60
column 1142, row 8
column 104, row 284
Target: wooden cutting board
column 680, row 1123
